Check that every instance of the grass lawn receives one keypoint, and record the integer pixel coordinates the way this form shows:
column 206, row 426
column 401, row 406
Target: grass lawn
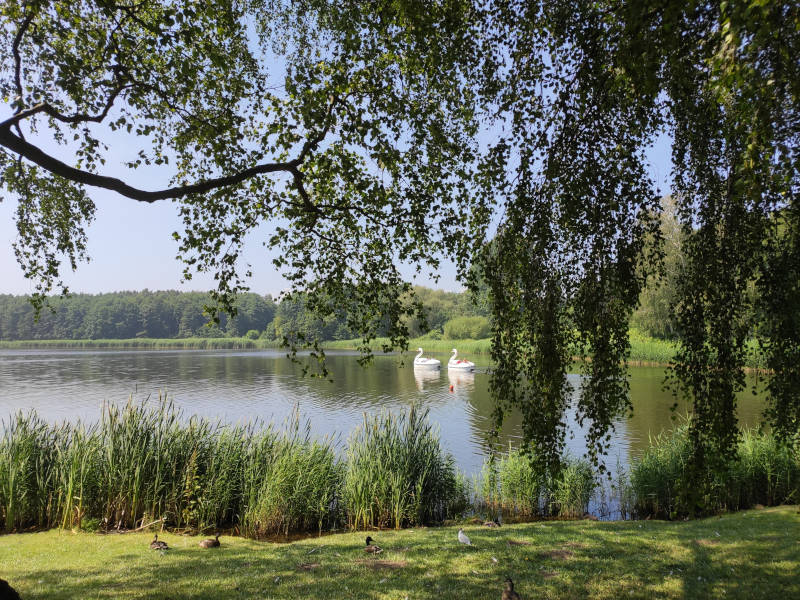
column 751, row 554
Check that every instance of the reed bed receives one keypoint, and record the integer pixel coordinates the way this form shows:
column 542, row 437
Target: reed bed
column 397, row 474
column 515, row 489
column 764, row 472
column 143, row 464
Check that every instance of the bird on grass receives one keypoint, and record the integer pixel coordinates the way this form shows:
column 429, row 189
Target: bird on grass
column 509, row 593
column 372, row 548
column 209, row 543
column 462, row 537
column 494, row 523
column 7, row 592
column 156, row 545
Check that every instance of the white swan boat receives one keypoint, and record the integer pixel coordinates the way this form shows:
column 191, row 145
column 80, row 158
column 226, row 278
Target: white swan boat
column 426, row 363
column 459, row 364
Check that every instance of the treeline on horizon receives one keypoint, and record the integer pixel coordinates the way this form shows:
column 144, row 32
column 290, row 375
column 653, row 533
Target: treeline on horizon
column 173, row 315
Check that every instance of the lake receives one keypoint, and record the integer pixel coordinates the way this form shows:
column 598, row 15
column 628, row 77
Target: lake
column 239, row 386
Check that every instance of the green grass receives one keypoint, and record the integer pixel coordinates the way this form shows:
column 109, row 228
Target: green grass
column 430, row 345
column 746, row 555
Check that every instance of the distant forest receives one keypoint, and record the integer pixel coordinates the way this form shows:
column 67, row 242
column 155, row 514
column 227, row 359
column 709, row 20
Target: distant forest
column 173, row 314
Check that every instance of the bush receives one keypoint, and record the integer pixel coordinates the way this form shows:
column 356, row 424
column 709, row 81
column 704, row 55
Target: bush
column 252, row 334
column 462, row 328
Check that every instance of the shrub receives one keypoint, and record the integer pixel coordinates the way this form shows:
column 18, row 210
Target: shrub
column 473, row 328
column 252, row 334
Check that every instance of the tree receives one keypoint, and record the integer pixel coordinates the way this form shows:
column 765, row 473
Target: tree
column 356, row 136
column 584, row 88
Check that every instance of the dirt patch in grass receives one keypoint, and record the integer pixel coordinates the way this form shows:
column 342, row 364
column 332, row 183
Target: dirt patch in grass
column 548, row 574
column 578, row 545
column 518, row 543
column 310, row 566
column 558, row 554
column 707, row 543
column 383, row 564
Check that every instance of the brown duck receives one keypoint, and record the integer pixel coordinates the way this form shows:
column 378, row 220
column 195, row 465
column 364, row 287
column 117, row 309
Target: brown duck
column 509, row 593
column 209, row 543
column 372, row 548
column 7, row 592
column 156, row 545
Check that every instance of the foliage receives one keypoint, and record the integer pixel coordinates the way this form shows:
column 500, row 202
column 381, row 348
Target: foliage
column 397, row 474
column 763, row 471
column 517, row 487
column 269, row 111
column 129, row 315
column 467, row 328
column 584, row 89
column 172, row 314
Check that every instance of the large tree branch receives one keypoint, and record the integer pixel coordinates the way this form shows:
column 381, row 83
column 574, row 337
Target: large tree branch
column 25, row 149
column 57, row 167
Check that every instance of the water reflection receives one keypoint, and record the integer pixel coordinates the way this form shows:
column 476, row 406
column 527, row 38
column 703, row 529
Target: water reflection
column 425, row 375
column 241, row 386
column 461, row 381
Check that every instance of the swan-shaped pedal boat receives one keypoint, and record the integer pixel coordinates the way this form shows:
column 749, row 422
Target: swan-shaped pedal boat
column 426, row 363
column 459, row 365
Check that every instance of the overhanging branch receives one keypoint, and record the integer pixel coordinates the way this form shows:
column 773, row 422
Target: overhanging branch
column 57, row 167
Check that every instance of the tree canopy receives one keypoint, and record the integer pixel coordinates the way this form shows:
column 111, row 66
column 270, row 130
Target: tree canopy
column 375, row 133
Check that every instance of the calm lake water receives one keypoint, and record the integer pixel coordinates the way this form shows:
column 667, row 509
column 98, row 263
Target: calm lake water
column 239, row 386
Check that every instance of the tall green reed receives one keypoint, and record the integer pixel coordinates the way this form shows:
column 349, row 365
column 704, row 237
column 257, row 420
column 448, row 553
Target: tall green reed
column 397, row 473
column 763, row 471
column 515, row 488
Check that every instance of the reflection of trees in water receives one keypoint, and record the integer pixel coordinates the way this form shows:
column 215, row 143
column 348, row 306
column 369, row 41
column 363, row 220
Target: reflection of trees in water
column 652, row 404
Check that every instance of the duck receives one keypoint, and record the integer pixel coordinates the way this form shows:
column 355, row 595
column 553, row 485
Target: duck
column 509, row 593
column 493, row 523
column 209, row 543
column 156, row 545
column 372, row 548
column 462, row 537
column 430, row 363
column 7, row 592
column 460, row 365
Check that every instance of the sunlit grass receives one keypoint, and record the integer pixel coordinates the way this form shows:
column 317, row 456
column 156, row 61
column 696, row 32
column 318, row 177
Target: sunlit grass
column 751, row 554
